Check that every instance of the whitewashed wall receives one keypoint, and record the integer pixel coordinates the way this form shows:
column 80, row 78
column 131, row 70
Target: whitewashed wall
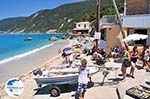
column 136, row 21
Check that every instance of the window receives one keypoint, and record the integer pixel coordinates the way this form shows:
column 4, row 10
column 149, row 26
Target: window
column 78, row 25
column 84, row 25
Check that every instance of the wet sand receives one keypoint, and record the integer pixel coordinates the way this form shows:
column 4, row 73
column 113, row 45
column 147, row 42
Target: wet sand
column 21, row 66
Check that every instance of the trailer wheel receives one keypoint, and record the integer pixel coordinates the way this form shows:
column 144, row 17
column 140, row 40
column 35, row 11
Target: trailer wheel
column 55, row 91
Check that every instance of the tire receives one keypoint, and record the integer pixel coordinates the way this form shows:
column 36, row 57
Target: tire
column 55, row 91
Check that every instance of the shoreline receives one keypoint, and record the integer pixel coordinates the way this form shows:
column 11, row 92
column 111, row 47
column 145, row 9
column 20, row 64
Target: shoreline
column 18, row 56
column 27, row 63
column 27, row 78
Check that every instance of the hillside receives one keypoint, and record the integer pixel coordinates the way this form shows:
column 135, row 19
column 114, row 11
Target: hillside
column 61, row 18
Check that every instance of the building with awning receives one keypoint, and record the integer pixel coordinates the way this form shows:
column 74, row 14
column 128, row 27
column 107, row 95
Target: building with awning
column 136, row 17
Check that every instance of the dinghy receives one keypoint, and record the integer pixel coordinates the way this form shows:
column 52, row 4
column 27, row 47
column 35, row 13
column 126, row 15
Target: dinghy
column 61, row 76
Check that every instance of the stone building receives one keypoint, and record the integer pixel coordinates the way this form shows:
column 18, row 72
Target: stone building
column 137, row 17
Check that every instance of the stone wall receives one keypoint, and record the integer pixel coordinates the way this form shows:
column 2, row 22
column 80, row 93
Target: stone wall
column 137, row 7
column 113, row 38
column 148, row 40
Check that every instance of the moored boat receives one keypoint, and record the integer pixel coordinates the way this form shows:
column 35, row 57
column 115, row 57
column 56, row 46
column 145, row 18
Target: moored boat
column 53, row 38
column 28, row 39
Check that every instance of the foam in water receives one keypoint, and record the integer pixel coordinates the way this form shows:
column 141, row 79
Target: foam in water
column 24, row 54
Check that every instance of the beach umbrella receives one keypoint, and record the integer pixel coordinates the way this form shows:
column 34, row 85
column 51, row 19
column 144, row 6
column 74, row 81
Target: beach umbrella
column 135, row 37
column 67, row 50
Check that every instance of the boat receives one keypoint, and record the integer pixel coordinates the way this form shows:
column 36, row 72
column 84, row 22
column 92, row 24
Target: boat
column 53, row 38
column 57, row 79
column 28, row 39
column 61, row 76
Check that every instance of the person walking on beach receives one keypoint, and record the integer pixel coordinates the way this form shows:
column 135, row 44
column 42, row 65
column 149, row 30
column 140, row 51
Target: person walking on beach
column 134, row 57
column 125, row 62
column 146, row 56
column 83, row 78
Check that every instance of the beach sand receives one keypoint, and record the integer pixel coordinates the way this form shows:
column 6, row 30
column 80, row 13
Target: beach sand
column 29, row 83
column 107, row 91
column 22, row 65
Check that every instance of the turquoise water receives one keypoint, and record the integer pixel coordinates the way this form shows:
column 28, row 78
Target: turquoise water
column 14, row 44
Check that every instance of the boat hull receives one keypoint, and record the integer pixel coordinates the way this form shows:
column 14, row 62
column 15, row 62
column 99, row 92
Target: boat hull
column 70, row 76
column 57, row 80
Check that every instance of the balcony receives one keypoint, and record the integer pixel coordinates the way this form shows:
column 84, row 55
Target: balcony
column 136, row 21
column 108, row 21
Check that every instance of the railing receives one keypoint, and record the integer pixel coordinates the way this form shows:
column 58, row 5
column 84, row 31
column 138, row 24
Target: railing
column 108, row 19
column 136, row 21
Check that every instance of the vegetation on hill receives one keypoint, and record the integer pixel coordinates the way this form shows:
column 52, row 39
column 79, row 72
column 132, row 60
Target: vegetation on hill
column 61, row 18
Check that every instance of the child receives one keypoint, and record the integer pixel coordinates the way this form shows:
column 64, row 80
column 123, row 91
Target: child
column 83, row 78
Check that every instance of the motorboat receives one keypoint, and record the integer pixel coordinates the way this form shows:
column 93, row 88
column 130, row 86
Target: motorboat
column 61, row 75
column 53, row 38
column 28, row 39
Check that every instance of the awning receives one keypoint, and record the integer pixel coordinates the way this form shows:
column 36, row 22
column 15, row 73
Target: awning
column 135, row 37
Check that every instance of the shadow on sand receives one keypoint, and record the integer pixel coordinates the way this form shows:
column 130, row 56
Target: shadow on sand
column 118, row 60
column 64, row 88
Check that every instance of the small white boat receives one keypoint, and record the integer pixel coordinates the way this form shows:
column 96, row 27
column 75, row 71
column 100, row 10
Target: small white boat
column 61, row 76
column 28, row 39
column 53, row 38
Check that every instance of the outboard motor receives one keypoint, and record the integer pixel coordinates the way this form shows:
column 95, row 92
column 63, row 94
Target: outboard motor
column 37, row 72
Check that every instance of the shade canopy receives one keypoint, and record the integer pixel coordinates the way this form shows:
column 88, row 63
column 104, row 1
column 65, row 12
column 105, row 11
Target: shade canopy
column 135, row 37
column 67, row 50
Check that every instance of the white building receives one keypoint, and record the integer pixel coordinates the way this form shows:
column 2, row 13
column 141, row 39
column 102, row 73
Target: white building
column 82, row 28
column 137, row 17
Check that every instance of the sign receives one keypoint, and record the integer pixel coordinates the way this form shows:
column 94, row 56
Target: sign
column 14, row 87
column 97, row 35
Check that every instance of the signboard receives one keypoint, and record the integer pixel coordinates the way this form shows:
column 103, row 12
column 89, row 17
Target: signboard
column 97, row 35
column 14, row 87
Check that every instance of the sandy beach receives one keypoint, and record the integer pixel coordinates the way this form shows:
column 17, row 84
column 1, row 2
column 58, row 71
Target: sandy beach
column 21, row 66
column 95, row 90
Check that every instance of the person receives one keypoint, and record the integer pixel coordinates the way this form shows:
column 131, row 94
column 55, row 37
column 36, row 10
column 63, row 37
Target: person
column 146, row 56
column 63, row 54
column 83, row 78
column 83, row 55
column 125, row 62
column 71, row 58
column 117, row 51
column 134, row 57
column 98, row 58
column 112, row 53
column 102, row 52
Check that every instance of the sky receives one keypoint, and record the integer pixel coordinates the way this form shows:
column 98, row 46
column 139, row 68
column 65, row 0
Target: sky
column 17, row 8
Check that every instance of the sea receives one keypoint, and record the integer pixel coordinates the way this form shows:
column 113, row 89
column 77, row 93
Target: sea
column 13, row 46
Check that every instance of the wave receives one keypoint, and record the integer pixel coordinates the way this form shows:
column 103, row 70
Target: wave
column 24, row 54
